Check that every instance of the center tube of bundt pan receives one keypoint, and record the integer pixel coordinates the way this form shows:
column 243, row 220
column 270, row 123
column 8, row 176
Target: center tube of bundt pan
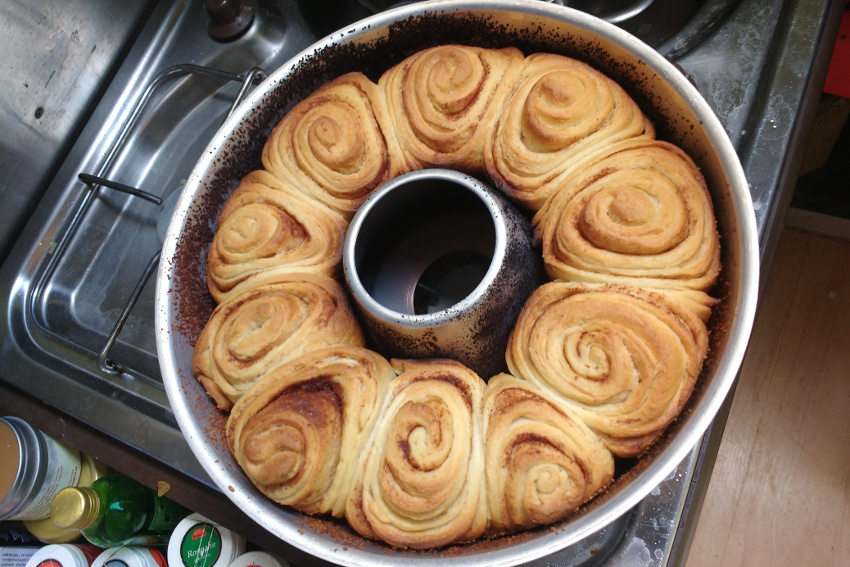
column 439, row 266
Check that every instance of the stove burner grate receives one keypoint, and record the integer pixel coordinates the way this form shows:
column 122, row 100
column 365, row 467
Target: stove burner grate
column 102, row 180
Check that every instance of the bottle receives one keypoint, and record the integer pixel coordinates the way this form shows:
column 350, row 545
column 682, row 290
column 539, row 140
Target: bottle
column 199, row 542
column 33, row 468
column 131, row 557
column 46, row 531
column 116, row 511
column 64, row 555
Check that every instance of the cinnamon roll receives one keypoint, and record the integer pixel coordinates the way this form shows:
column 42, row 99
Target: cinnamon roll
column 561, row 112
column 542, row 461
column 641, row 215
column 336, row 145
column 444, row 101
column 623, row 359
column 298, row 432
column 421, row 477
column 266, row 225
column 266, row 321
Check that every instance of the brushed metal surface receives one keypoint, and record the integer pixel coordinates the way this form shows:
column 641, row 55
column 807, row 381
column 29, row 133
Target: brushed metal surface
column 55, row 58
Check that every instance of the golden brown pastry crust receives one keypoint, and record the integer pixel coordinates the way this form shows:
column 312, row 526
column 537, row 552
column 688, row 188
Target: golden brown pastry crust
column 623, row 359
column 561, row 112
column 444, row 102
column 641, row 215
column 267, row 225
column 336, row 145
column 266, row 321
column 420, row 482
column 299, row 432
column 542, row 461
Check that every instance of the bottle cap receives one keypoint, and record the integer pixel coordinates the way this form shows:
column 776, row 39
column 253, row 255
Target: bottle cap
column 48, row 532
column 75, row 507
column 199, row 542
column 64, row 555
column 131, row 556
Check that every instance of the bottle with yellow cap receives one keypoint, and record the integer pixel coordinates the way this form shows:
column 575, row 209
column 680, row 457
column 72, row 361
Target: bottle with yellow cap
column 116, row 510
column 45, row 530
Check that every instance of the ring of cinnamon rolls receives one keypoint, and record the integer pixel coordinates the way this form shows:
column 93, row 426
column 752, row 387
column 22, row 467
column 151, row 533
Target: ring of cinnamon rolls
column 426, row 453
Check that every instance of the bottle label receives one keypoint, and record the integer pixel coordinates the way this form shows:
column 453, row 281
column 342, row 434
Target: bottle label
column 67, row 555
column 63, row 469
column 17, row 556
column 201, row 546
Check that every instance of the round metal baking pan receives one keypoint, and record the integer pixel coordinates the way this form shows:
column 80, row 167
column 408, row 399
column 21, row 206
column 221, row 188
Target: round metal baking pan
column 371, row 46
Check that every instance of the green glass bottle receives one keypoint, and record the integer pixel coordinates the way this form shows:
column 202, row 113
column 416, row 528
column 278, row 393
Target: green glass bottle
column 116, row 510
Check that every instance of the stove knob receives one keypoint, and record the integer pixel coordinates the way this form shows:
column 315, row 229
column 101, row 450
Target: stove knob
column 229, row 18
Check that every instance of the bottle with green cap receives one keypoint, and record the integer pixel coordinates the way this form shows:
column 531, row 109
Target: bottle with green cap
column 116, row 510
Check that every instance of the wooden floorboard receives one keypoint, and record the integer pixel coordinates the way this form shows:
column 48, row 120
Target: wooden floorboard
column 780, row 490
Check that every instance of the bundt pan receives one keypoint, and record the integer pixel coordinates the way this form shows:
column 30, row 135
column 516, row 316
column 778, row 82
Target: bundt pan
column 371, row 46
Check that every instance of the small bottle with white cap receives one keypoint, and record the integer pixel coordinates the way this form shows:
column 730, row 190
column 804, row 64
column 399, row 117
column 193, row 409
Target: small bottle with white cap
column 131, row 556
column 65, row 555
column 200, row 542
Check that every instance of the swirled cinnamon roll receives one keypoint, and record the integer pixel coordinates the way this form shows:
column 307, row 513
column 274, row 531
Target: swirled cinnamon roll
column 421, row 477
column 266, row 225
column 297, row 434
column 444, row 101
column 266, row 321
column 336, row 144
column 542, row 461
column 623, row 359
column 641, row 215
column 561, row 112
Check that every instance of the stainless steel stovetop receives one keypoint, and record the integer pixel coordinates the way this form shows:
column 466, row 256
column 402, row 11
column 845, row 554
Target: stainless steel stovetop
column 129, row 95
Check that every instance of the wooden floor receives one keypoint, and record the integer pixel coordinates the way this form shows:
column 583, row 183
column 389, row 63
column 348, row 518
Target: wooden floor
column 780, row 490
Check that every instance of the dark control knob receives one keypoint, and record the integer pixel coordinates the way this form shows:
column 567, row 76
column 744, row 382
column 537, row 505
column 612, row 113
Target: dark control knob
column 229, row 18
